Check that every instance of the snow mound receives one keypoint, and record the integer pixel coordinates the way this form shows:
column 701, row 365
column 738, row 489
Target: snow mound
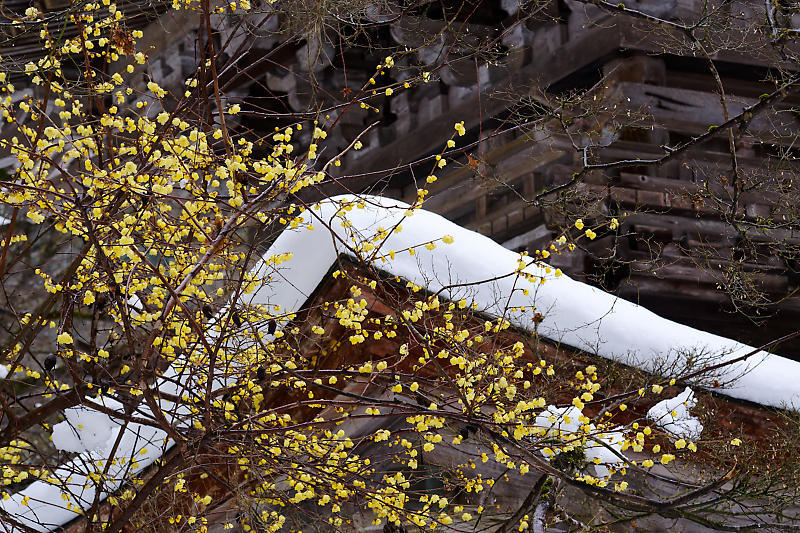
column 86, row 429
column 672, row 415
column 602, row 450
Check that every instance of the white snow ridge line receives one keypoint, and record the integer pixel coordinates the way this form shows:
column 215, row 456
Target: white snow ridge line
column 575, row 313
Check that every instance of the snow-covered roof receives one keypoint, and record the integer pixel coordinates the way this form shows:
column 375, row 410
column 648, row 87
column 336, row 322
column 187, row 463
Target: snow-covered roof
column 471, row 266
column 476, row 267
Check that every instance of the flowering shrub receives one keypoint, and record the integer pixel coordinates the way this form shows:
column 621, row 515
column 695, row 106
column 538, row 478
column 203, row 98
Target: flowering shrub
column 182, row 386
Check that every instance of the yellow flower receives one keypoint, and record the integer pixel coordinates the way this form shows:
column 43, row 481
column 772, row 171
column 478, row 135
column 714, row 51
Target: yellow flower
column 64, row 338
column 579, row 224
column 736, row 442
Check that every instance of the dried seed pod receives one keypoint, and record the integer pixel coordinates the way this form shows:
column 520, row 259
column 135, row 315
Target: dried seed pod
column 50, row 362
column 146, row 197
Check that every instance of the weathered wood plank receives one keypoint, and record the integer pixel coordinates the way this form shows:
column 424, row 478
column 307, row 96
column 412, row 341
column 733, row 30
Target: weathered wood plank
column 692, row 111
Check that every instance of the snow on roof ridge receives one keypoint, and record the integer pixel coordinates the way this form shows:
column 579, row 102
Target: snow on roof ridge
column 473, row 267
column 575, row 313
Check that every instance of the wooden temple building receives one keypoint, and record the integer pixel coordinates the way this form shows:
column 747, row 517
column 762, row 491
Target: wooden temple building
column 679, row 249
